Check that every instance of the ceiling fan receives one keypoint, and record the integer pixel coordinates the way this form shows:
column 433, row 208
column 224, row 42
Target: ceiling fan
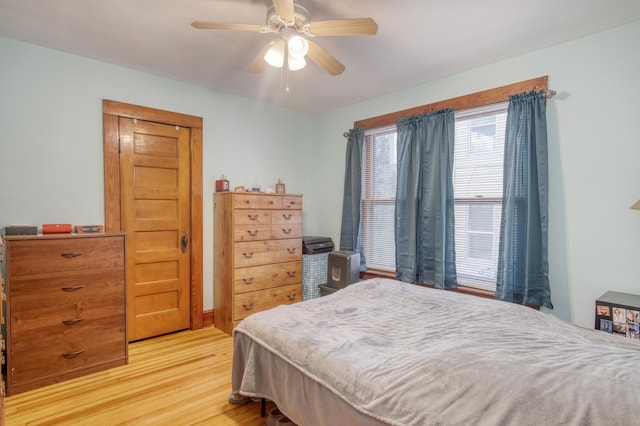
column 293, row 24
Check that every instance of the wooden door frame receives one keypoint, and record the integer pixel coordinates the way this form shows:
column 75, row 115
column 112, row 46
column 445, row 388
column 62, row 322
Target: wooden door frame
column 111, row 111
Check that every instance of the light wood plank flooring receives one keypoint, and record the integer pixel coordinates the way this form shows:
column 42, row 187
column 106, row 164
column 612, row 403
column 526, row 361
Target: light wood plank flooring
column 177, row 379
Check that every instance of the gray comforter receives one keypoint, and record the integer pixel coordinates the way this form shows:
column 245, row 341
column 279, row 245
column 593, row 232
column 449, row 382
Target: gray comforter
column 406, row 355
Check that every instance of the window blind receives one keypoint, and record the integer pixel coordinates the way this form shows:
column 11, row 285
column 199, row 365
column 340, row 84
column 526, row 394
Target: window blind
column 477, row 186
column 379, row 176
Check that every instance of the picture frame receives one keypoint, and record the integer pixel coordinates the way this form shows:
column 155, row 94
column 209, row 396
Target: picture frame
column 280, row 188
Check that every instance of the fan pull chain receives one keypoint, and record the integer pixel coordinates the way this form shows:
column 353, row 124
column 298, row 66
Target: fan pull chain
column 284, row 78
column 285, row 67
column 286, row 73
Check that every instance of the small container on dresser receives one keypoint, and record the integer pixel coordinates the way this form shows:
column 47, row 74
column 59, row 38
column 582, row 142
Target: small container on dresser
column 65, row 308
column 257, row 254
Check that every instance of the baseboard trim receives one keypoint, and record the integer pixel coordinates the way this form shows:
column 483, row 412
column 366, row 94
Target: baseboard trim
column 207, row 318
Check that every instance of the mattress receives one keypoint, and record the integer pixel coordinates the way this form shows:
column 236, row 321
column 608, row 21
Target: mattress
column 387, row 352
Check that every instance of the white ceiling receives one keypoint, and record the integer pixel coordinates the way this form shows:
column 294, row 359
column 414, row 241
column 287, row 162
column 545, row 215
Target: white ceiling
column 417, row 41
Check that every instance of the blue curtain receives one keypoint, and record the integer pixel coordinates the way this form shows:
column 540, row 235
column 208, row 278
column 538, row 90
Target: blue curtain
column 351, row 229
column 424, row 219
column 523, row 270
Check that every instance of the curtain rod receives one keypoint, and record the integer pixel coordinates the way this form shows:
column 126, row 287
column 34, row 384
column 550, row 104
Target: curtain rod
column 549, row 94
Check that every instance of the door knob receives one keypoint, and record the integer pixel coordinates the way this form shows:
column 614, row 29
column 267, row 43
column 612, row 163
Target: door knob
column 183, row 243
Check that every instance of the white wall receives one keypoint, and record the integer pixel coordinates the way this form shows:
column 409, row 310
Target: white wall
column 594, row 147
column 51, row 163
column 51, row 149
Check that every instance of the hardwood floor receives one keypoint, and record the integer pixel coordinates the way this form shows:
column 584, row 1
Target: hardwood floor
column 177, row 379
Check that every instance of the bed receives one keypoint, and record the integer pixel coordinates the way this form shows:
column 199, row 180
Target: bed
column 386, row 352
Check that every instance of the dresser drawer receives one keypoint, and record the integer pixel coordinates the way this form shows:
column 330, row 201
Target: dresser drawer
column 267, row 276
column 292, row 203
column 90, row 322
column 246, row 201
column 31, row 292
column 37, row 256
column 263, row 252
column 293, row 230
column 270, row 202
column 51, row 306
column 251, row 217
column 286, row 217
column 249, row 303
column 251, row 232
column 41, row 364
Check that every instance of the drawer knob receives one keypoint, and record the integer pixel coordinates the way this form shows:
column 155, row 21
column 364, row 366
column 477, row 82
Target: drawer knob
column 70, row 255
column 286, row 216
column 74, row 288
column 291, row 250
column 291, row 274
column 248, row 307
column 73, row 354
column 254, row 217
column 72, row 321
column 248, row 280
column 247, row 255
column 291, row 297
column 286, row 231
column 253, row 233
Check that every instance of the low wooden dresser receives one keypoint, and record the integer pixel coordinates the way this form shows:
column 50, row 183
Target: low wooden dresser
column 257, row 254
column 66, row 307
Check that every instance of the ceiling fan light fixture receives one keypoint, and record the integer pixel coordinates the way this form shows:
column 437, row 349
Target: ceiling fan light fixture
column 287, row 19
column 298, row 46
column 296, row 64
column 275, row 54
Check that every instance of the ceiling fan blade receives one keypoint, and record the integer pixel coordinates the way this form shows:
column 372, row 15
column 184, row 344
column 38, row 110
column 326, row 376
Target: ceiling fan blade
column 340, row 27
column 224, row 26
column 257, row 66
column 284, row 9
column 324, row 59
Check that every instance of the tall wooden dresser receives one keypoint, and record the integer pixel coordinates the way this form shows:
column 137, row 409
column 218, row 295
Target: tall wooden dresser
column 257, row 254
column 65, row 308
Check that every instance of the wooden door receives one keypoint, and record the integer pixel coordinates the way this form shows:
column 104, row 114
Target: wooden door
column 155, row 212
column 113, row 111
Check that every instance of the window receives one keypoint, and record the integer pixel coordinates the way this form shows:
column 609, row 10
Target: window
column 477, row 182
column 378, row 198
column 477, row 188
